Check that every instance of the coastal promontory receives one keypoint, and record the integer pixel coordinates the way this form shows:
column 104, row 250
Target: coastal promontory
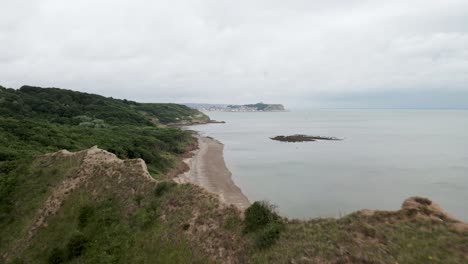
column 258, row 107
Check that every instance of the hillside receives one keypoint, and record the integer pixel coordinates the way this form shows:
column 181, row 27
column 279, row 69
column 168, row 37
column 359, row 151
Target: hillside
column 256, row 107
column 91, row 207
column 266, row 107
column 96, row 208
column 118, row 203
column 36, row 120
column 70, row 107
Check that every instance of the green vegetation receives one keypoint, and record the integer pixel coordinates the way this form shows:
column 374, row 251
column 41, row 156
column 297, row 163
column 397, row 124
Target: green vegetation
column 163, row 187
column 74, row 108
column 385, row 237
column 259, row 215
column 259, row 106
column 264, row 222
column 268, row 235
column 56, row 256
column 103, row 221
column 35, row 121
column 29, row 137
column 171, row 113
column 118, row 215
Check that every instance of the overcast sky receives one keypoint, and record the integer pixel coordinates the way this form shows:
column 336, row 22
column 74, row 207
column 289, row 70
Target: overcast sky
column 298, row 52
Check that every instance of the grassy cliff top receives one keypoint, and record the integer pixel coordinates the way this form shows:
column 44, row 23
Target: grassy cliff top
column 91, row 207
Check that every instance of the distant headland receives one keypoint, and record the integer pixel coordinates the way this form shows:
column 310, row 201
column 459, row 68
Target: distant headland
column 258, row 107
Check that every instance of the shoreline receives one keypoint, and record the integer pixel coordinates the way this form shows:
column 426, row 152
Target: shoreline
column 208, row 170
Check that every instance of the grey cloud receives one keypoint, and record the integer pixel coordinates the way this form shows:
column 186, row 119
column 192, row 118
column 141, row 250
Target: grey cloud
column 297, row 52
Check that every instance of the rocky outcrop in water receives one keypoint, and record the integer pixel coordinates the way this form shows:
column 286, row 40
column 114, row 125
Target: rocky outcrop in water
column 302, row 138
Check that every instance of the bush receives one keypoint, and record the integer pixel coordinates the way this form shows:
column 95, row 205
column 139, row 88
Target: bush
column 259, row 215
column 56, row 256
column 261, row 218
column 142, row 219
column 268, row 236
column 138, row 198
column 163, row 187
column 76, row 245
column 17, row 260
column 86, row 212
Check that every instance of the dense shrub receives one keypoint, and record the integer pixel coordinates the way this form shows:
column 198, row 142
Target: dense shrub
column 76, row 245
column 138, row 199
column 17, row 260
column 262, row 220
column 259, row 215
column 70, row 107
column 268, row 235
column 85, row 213
column 34, row 121
column 163, row 187
column 167, row 113
column 157, row 146
column 142, row 218
column 56, row 256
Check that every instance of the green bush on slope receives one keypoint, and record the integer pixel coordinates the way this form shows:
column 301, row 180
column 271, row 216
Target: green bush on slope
column 268, row 235
column 261, row 219
column 76, row 245
column 163, row 187
column 56, row 256
column 259, row 215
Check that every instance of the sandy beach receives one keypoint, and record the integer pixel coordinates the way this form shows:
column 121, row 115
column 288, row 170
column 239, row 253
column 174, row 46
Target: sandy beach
column 208, row 170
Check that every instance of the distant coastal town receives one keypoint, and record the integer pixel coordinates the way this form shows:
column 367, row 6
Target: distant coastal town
column 258, row 107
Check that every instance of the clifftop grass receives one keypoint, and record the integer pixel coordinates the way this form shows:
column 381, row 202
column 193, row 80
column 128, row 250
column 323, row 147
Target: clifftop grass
column 117, row 216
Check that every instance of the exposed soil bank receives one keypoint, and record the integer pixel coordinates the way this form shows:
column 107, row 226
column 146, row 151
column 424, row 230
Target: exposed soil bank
column 208, row 170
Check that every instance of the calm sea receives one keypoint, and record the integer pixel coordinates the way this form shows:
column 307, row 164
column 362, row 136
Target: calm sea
column 385, row 157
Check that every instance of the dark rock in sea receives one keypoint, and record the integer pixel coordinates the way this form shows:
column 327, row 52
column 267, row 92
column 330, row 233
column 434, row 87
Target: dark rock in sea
column 216, row 122
column 302, row 138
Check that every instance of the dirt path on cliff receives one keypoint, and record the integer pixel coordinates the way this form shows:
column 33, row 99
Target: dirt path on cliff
column 208, row 170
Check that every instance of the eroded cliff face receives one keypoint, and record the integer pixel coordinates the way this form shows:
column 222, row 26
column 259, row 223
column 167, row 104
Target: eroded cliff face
column 426, row 208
